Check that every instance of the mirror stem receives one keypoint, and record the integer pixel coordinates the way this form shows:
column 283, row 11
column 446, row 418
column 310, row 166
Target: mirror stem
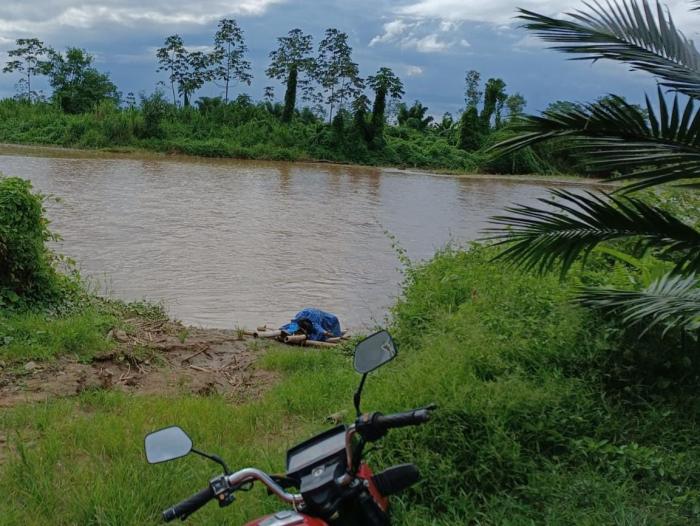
column 358, row 395
column 214, row 458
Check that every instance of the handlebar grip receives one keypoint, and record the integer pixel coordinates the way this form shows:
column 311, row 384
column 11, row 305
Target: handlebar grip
column 189, row 506
column 409, row 418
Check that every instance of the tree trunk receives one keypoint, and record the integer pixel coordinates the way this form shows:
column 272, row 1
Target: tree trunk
column 378, row 110
column 290, row 97
column 228, row 71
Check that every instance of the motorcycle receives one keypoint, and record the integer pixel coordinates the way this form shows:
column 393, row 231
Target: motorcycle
column 334, row 485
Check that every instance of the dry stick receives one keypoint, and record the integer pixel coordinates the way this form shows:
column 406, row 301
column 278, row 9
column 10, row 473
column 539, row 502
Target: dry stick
column 201, row 351
column 229, row 364
column 202, row 369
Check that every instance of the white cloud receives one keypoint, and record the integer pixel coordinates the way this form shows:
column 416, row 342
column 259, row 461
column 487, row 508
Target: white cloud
column 425, row 36
column 427, row 44
column 464, row 43
column 502, row 12
column 393, row 31
column 19, row 17
column 447, row 25
column 414, row 71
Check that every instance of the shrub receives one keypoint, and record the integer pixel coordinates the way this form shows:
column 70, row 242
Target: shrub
column 27, row 272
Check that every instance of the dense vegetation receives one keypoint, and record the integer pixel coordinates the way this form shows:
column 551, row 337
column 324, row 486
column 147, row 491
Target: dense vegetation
column 328, row 111
column 547, row 415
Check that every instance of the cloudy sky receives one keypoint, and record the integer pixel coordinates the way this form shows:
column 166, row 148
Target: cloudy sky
column 429, row 43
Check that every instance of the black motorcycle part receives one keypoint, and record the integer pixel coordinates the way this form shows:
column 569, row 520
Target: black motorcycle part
column 396, row 479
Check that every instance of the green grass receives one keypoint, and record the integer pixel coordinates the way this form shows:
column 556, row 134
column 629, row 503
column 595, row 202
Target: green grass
column 36, row 336
column 535, row 424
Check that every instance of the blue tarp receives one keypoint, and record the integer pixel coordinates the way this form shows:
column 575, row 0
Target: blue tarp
column 316, row 324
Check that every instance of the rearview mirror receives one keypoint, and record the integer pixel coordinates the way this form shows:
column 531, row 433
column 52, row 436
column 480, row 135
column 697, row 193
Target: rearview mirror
column 167, row 444
column 374, row 351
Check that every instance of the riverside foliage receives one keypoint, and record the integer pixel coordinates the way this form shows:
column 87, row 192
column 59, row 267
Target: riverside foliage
column 329, row 112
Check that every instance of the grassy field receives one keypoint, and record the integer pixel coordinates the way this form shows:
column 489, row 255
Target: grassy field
column 546, row 417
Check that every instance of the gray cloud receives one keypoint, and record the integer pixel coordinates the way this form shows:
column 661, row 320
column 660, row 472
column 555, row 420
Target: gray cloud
column 18, row 18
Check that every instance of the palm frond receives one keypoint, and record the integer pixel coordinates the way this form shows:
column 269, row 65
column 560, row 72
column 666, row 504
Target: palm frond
column 631, row 31
column 571, row 225
column 672, row 302
column 652, row 146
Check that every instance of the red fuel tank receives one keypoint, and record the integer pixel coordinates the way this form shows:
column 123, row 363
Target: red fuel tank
column 287, row 518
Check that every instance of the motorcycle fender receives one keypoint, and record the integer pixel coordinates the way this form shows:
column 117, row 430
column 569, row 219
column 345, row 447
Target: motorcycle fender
column 287, row 518
column 366, row 473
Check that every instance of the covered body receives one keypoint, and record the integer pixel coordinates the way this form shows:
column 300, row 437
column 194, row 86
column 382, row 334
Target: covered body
column 318, row 325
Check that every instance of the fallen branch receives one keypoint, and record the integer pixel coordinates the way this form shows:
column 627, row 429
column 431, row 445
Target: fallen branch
column 268, row 334
column 295, row 338
column 203, row 350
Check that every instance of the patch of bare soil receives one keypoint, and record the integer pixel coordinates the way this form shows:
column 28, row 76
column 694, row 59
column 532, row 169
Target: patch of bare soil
column 162, row 358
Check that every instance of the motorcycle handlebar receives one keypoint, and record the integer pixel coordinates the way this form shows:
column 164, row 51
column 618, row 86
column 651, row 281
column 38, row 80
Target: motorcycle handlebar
column 409, row 418
column 187, row 507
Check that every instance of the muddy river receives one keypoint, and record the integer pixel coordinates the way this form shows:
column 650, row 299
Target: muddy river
column 240, row 243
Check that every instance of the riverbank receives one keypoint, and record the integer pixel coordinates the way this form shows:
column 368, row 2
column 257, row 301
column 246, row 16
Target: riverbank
column 143, row 154
column 543, row 418
column 248, row 131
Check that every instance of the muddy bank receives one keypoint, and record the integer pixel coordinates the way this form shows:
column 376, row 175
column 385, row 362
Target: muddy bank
column 156, row 357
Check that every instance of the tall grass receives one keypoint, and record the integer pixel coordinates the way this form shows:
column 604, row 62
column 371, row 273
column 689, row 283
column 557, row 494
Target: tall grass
column 531, row 428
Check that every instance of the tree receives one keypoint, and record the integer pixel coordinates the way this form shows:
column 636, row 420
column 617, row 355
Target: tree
column 26, row 58
column 470, row 127
column 383, row 83
column 172, row 58
column 470, row 136
column 494, row 99
column 228, row 56
column 335, row 71
column 472, row 92
column 287, row 62
column 195, row 73
column 360, row 107
column 516, row 105
column 648, row 148
column 77, row 85
column 414, row 117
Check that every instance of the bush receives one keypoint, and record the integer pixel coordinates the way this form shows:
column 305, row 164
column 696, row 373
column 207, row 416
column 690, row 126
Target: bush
column 27, row 271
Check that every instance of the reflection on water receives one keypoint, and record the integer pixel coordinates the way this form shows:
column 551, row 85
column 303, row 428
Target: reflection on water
column 227, row 243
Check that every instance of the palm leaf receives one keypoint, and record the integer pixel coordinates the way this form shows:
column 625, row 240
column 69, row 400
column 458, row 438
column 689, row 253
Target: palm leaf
column 652, row 147
column 671, row 302
column 630, row 31
column 572, row 225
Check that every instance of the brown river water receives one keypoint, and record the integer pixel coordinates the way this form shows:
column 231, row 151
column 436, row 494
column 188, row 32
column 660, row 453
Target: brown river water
column 242, row 243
